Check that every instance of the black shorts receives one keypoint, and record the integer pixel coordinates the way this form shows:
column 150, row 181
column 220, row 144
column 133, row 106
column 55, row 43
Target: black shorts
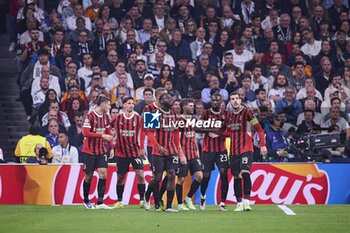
column 194, row 165
column 149, row 156
column 123, row 164
column 209, row 158
column 164, row 163
column 92, row 162
column 241, row 162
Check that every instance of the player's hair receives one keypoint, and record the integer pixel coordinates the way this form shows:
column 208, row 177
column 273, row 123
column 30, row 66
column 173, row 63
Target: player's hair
column 127, row 98
column 233, row 93
column 215, row 95
column 162, row 95
column 185, row 102
column 159, row 91
column 148, row 89
column 102, row 99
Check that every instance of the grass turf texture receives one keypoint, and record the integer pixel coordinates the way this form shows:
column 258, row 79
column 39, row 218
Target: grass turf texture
column 263, row 218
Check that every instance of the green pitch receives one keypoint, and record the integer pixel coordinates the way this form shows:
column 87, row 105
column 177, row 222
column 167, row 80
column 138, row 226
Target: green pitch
column 263, row 218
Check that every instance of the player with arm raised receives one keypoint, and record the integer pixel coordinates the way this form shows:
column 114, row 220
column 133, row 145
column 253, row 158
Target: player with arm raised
column 129, row 126
column 240, row 125
column 165, row 152
column 190, row 150
column 95, row 150
column 214, row 152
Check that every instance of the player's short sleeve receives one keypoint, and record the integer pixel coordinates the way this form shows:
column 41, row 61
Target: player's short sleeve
column 88, row 121
column 204, row 115
column 251, row 118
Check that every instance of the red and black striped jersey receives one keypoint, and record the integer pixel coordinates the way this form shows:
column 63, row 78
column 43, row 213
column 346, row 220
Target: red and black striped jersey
column 128, row 131
column 97, row 124
column 240, row 124
column 150, row 108
column 188, row 140
column 214, row 144
column 165, row 135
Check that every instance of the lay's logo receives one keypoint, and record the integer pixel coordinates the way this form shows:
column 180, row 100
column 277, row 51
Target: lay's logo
column 284, row 184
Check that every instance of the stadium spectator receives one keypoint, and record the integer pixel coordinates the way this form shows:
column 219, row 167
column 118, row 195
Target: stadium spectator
column 52, row 136
column 77, row 13
column 336, row 120
column 240, row 55
column 213, row 84
column 60, row 115
column 148, row 81
column 148, row 98
column 64, row 152
column 53, row 81
column 310, row 104
column 108, row 65
column 113, row 79
column 289, row 105
column 85, row 72
column 178, row 46
column 139, row 72
column 75, row 131
column 32, row 72
column 308, row 125
column 95, row 86
column 122, row 88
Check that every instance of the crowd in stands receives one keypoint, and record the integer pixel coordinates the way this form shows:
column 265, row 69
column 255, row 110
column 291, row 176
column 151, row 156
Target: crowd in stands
column 288, row 60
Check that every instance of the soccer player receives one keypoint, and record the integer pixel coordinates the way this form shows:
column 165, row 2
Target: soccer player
column 129, row 126
column 214, row 152
column 166, row 152
column 153, row 107
column 240, row 122
column 189, row 147
column 95, row 150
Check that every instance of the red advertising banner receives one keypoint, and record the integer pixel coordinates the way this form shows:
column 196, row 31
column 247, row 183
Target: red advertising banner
column 63, row 185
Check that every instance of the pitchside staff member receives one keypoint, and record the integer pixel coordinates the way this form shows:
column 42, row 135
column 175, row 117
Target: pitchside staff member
column 128, row 127
column 95, row 150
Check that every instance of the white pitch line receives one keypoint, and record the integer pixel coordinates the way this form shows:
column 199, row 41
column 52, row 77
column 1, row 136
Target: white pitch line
column 286, row 210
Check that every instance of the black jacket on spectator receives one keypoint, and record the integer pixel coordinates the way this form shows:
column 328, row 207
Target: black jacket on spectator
column 184, row 82
column 75, row 139
column 303, row 128
column 321, row 82
column 60, row 61
column 182, row 48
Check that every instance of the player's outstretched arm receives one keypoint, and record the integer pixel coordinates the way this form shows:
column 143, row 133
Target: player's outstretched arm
column 260, row 131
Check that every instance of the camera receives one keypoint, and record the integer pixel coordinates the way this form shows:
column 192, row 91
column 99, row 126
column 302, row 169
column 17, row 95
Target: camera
column 313, row 146
column 43, row 153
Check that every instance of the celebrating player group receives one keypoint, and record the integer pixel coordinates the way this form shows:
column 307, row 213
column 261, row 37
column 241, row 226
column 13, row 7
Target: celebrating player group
column 172, row 150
